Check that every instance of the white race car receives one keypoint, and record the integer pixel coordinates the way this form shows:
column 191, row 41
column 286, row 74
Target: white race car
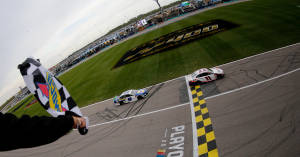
column 130, row 96
column 205, row 75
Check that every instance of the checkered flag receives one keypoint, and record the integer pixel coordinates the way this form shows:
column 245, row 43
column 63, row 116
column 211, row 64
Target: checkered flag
column 48, row 90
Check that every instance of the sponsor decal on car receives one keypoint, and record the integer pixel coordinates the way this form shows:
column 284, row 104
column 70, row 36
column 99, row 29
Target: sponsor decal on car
column 141, row 92
column 175, row 39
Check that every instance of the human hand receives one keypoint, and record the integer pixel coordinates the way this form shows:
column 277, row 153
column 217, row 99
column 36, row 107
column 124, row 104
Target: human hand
column 79, row 122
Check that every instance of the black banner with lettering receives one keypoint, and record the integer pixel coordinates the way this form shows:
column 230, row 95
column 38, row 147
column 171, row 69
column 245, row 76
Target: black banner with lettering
column 175, row 39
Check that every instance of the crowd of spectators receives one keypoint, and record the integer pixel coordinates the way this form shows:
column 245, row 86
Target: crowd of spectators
column 24, row 92
column 133, row 28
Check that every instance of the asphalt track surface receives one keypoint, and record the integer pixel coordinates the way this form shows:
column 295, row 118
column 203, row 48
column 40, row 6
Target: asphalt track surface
column 254, row 111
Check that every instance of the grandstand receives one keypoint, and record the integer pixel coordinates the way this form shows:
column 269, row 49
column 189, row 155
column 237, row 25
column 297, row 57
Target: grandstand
column 175, row 10
column 23, row 93
column 155, row 18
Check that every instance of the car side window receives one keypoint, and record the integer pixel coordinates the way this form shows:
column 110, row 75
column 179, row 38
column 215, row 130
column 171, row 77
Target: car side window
column 128, row 95
column 205, row 74
column 201, row 75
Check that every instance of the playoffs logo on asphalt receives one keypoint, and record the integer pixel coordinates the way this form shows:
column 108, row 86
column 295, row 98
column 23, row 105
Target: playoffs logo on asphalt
column 175, row 39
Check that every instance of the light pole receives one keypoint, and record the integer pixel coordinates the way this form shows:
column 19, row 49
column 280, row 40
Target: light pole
column 158, row 5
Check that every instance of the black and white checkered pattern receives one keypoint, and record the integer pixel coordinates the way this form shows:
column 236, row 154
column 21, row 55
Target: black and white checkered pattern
column 33, row 74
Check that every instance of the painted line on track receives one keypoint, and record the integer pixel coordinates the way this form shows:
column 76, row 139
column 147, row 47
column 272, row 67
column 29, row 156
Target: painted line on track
column 259, row 54
column 195, row 143
column 139, row 115
column 207, row 145
column 95, row 103
column 255, row 84
column 216, row 66
column 204, row 139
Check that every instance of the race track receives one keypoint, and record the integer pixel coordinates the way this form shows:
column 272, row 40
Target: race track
column 254, row 112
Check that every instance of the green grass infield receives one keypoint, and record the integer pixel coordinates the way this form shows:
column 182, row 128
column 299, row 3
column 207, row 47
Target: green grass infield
column 23, row 107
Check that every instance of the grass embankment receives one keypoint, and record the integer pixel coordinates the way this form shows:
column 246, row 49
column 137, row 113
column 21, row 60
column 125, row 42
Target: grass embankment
column 265, row 25
column 33, row 110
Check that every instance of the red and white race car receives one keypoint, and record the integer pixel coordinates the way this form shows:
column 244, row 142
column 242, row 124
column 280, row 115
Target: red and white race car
column 205, row 75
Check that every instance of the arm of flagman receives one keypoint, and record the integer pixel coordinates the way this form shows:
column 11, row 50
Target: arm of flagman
column 26, row 132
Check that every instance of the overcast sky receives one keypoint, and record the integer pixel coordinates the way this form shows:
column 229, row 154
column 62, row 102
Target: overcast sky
column 53, row 29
